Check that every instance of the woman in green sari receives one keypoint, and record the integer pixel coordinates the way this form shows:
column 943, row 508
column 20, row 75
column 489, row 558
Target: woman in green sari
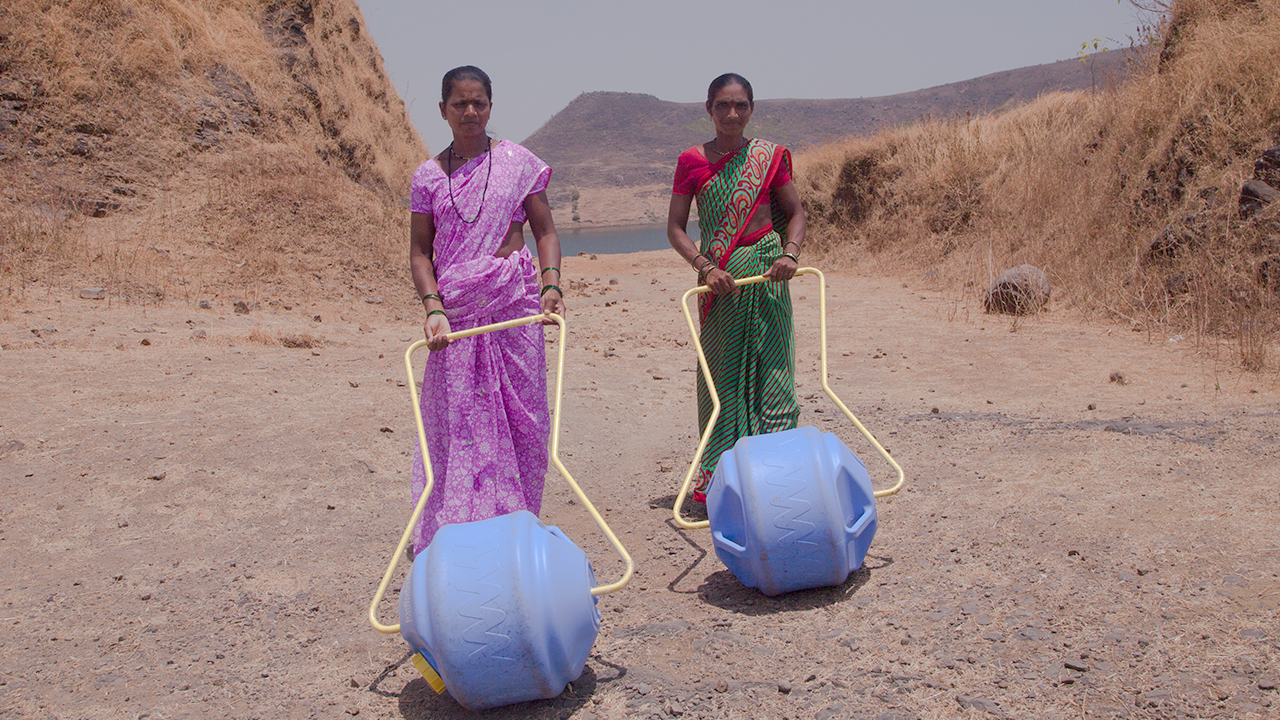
column 745, row 200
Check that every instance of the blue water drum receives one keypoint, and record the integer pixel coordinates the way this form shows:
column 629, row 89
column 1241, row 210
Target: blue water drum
column 501, row 609
column 791, row 510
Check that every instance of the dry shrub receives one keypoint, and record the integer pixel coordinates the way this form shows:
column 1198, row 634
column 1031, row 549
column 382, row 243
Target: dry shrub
column 262, row 337
column 1081, row 184
column 301, row 340
column 293, row 340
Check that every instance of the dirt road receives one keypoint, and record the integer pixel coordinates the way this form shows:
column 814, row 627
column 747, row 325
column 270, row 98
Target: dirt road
column 194, row 518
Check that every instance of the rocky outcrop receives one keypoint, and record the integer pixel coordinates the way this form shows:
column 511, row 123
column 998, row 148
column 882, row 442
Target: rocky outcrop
column 1258, row 193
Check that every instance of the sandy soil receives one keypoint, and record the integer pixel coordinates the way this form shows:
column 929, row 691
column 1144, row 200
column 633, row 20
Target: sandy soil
column 193, row 521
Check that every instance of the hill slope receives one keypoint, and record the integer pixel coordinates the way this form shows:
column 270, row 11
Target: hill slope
column 618, row 149
column 148, row 146
column 1153, row 203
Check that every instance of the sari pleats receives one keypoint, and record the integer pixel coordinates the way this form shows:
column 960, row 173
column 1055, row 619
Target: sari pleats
column 750, row 348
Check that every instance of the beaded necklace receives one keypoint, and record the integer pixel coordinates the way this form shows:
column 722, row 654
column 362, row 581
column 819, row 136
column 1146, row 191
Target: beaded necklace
column 485, row 191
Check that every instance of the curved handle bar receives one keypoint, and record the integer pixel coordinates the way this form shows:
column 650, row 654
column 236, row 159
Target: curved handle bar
column 715, row 398
column 555, row 458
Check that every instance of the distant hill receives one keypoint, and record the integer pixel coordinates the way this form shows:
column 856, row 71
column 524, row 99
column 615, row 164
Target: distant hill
column 618, row 150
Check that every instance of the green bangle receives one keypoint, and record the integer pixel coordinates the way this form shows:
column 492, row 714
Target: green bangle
column 425, row 298
column 433, row 312
column 793, row 257
column 545, row 288
column 544, row 271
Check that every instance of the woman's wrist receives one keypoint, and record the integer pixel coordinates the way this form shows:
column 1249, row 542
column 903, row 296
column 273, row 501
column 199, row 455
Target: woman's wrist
column 428, row 298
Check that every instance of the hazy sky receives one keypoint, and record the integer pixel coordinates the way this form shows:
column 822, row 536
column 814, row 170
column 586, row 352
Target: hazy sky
column 541, row 55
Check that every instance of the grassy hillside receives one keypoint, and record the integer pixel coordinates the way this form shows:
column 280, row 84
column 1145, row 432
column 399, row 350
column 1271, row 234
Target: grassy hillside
column 1128, row 198
column 187, row 148
column 622, row 146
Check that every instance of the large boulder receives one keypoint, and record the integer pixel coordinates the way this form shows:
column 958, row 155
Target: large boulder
column 1018, row 291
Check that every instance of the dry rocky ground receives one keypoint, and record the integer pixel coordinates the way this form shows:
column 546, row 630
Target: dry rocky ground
column 194, row 517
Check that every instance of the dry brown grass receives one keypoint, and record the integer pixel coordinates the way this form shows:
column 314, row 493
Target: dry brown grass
column 236, row 147
column 1081, row 183
column 293, row 340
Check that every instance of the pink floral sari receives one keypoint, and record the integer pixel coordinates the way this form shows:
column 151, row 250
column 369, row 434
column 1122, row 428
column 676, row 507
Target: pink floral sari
column 484, row 398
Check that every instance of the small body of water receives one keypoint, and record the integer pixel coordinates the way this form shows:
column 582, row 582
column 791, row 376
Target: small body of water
column 609, row 241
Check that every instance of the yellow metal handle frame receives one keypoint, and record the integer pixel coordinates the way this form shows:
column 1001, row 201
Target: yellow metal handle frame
column 555, row 458
column 715, row 398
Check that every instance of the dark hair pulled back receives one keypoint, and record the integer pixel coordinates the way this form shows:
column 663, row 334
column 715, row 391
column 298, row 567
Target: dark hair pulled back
column 467, row 72
column 725, row 80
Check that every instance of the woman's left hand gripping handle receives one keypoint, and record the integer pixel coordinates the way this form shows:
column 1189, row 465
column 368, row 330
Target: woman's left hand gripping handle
column 437, row 330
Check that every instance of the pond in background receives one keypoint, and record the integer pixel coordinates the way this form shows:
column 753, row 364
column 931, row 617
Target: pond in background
column 609, row 241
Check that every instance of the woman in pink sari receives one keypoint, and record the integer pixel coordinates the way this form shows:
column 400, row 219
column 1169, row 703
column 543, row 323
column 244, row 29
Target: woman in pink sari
column 484, row 398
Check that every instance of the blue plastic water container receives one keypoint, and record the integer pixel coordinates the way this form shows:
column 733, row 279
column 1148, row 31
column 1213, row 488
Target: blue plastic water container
column 791, row 510
column 501, row 609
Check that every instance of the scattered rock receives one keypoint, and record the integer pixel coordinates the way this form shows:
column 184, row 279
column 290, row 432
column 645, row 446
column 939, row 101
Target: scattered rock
column 1032, row 633
column 784, row 687
column 385, row 429
column 204, row 305
column 1255, row 195
column 374, row 300
column 199, row 334
column 158, row 476
column 1267, row 683
column 968, row 701
column 10, row 447
column 1076, row 665
column 241, row 307
column 831, row 712
column 722, row 686
column 1018, row 291
column 1117, row 377
column 93, row 293
column 1171, row 242
column 145, row 342
column 1253, row 633
column 1267, row 167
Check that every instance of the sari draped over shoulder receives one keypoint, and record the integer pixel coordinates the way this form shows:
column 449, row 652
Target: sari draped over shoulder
column 748, row 338
column 484, row 398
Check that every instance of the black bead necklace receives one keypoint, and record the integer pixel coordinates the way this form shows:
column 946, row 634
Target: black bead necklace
column 485, row 191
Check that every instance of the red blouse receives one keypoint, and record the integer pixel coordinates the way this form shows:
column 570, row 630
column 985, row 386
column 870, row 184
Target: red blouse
column 693, row 171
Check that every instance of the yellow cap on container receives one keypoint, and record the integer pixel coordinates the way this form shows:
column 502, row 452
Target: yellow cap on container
column 428, row 673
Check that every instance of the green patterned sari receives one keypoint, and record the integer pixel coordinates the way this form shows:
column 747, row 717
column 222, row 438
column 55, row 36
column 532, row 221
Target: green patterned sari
column 748, row 339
